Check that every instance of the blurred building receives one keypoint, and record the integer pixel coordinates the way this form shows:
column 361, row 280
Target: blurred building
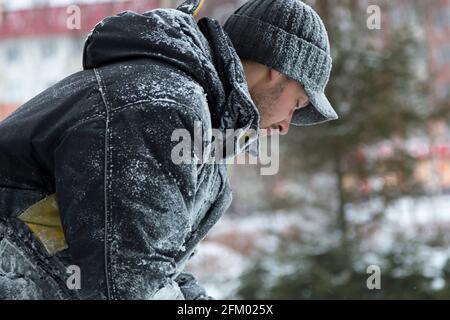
column 41, row 45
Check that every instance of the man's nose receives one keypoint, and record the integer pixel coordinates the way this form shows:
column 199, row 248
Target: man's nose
column 283, row 127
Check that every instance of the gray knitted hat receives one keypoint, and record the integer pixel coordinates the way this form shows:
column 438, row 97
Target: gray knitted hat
column 288, row 36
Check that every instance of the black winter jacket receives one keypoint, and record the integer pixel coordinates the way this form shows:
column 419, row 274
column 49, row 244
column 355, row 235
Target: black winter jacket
column 101, row 140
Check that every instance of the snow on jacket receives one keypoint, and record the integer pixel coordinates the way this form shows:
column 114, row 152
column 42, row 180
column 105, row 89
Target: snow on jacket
column 101, row 140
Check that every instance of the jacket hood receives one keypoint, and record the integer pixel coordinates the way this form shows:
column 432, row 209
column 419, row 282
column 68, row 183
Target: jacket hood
column 202, row 50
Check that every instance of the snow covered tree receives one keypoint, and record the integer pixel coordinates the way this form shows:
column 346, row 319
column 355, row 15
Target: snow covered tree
column 382, row 99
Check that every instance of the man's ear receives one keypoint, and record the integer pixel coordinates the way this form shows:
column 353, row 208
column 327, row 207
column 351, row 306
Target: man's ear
column 274, row 75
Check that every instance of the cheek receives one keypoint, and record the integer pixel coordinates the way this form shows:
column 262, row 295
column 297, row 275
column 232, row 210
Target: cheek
column 285, row 105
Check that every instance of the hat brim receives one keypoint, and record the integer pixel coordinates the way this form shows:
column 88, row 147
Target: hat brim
column 318, row 111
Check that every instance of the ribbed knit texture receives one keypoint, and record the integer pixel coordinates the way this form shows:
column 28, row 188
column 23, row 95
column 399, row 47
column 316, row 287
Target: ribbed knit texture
column 288, row 36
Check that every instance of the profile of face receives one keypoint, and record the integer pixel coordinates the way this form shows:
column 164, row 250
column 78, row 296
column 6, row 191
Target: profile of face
column 277, row 98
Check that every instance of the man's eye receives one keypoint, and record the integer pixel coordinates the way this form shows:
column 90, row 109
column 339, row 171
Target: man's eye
column 300, row 106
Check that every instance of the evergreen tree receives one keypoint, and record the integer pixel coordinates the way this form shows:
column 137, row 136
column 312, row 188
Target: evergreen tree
column 382, row 100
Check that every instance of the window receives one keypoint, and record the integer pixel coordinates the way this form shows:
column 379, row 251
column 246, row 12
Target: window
column 48, row 48
column 12, row 54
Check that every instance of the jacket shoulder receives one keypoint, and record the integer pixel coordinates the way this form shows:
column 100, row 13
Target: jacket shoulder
column 152, row 81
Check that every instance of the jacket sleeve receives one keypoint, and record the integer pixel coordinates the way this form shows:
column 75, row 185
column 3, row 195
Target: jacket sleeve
column 126, row 207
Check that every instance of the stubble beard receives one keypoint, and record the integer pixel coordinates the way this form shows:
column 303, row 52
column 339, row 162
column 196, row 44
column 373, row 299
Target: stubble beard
column 266, row 100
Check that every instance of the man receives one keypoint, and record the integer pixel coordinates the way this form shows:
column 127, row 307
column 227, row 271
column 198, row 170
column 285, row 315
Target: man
column 92, row 205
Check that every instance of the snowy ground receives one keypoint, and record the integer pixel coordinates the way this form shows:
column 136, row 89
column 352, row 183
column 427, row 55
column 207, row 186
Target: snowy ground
column 233, row 242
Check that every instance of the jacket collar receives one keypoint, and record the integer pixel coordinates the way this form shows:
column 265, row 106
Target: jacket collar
column 233, row 109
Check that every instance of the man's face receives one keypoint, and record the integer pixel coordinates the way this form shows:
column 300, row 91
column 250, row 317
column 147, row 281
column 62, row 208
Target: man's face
column 277, row 99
